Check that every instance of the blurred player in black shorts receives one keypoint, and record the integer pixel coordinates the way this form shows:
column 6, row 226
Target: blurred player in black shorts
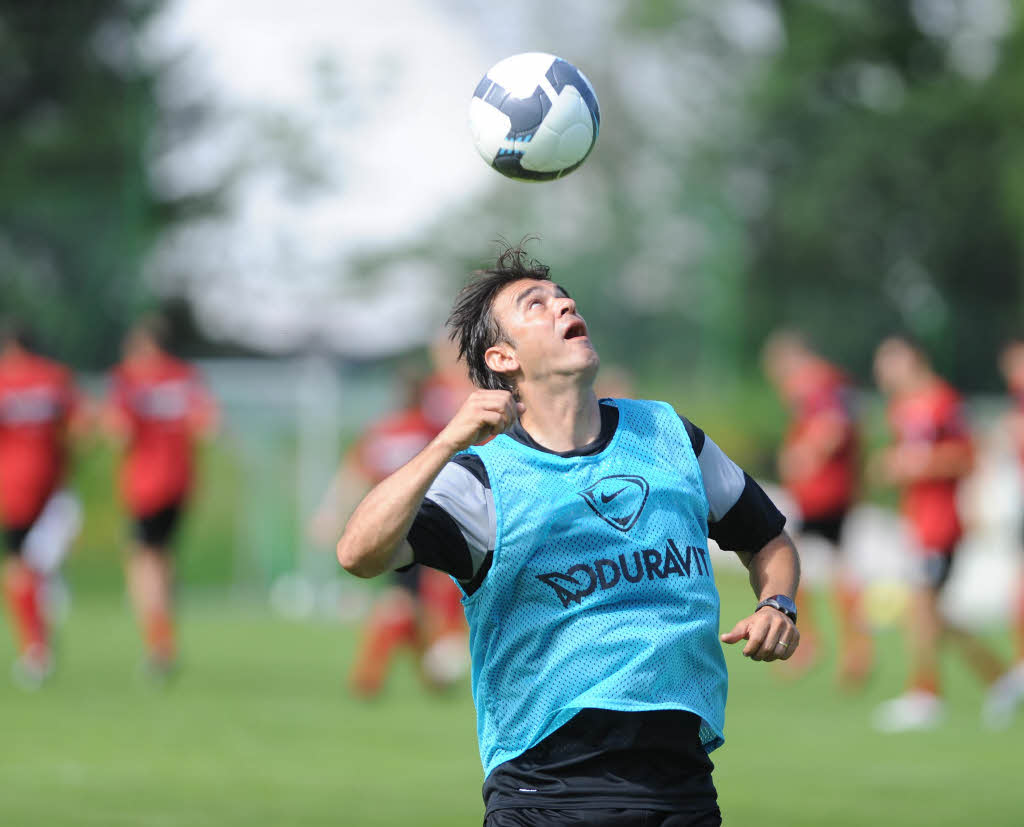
column 930, row 454
column 421, row 609
column 818, row 465
column 157, row 408
column 38, row 403
column 1007, row 692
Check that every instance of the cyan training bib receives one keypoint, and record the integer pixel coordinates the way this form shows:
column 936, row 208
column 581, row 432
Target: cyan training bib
column 600, row 592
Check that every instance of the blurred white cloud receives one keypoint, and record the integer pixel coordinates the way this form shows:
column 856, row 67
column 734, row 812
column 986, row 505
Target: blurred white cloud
column 333, row 131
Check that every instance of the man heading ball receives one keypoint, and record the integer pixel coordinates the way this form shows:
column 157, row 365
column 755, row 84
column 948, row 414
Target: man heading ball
column 577, row 529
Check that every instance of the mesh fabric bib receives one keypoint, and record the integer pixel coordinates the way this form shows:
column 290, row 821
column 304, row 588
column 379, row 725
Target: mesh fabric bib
column 600, row 592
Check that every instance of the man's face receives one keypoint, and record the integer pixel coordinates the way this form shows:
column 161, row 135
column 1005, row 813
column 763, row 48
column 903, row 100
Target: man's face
column 548, row 337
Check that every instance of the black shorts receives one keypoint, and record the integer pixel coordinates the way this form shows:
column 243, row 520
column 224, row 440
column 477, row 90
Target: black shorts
column 829, row 527
column 606, row 767
column 156, row 530
column 935, row 568
column 540, row 817
column 14, row 539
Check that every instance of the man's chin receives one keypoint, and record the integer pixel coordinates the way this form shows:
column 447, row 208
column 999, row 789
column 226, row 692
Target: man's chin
column 590, row 368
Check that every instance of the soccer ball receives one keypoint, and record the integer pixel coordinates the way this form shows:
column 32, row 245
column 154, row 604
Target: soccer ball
column 534, row 117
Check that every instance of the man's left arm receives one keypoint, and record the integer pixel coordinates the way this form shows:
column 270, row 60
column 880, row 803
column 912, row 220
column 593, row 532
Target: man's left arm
column 774, row 570
column 743, row 519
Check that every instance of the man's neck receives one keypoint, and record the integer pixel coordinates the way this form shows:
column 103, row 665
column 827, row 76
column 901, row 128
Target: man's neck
column 564, row 420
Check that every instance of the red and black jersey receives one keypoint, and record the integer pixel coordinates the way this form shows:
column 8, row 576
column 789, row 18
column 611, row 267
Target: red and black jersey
column 931, row 417
column 392, row 442
column 817, row 393
column 163, row 404
column 37, row 397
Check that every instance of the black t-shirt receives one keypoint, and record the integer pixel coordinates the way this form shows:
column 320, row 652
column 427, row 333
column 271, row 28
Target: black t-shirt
column 605, row 759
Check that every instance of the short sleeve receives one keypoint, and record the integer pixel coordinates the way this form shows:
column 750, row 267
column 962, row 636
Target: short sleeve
column 741, row 516
column 454, row 528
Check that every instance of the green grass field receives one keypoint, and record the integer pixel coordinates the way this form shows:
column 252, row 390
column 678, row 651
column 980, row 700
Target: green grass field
column 258, row 731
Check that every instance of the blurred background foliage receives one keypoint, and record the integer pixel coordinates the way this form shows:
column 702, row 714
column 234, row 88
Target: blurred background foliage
column 847, row 168
column 886, row 140
column 76, row 215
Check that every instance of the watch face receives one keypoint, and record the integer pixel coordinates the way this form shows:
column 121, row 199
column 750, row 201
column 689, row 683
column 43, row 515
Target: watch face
column 785, row 605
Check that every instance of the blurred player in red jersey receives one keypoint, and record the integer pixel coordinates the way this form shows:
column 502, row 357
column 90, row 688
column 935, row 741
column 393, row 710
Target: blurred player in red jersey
column 422, row 609
column 443, row 392
column 818, row 466
column 1008, row 692
column 447, row 386
column 157, row 407
column 931, row 452
column 37, row 405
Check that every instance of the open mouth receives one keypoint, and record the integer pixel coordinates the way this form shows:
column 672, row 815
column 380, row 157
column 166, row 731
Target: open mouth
column 576, row 330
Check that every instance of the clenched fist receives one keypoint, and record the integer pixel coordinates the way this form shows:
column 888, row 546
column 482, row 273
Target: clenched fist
column 483, row 415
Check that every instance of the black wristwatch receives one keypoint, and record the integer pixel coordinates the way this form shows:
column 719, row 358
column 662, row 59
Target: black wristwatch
column 782, row 603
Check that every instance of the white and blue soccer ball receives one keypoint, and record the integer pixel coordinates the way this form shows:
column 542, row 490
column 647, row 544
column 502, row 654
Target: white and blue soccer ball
column 534, row 117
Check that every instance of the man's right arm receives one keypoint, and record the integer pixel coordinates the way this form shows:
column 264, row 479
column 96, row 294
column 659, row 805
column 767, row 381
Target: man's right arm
column 374, row 540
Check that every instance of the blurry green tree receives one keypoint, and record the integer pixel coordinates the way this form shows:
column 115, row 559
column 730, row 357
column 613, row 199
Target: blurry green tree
column 883, row 142
column 76, row 214
column 849, row 168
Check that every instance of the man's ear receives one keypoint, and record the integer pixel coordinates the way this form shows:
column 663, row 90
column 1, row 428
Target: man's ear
column 502, row 359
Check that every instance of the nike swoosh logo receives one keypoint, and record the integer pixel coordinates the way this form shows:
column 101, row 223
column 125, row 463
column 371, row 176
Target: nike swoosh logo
column 607, row 498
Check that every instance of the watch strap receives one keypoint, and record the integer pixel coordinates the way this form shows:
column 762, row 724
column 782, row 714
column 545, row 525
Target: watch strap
column 781, row 603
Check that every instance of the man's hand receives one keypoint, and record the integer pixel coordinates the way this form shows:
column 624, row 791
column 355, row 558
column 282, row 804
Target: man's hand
column 483, row 415
column 374, row 540
column 770, row 635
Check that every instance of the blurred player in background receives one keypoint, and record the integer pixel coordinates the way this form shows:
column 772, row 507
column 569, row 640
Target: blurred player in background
column 38, row 403
column 157, row 408
column 1008, row 692
column 930, row 453
column 446, row 387
column 818, row 464
column 421, row 610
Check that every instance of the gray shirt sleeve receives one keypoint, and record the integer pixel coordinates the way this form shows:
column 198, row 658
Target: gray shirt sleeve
column 454, row 529
column 741, row 516
column 723, row 480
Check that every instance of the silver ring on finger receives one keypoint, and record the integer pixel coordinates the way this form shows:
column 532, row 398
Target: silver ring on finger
column 783, row 644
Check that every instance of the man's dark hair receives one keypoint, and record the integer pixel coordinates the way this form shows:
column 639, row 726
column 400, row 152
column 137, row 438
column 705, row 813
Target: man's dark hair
column 472, row 321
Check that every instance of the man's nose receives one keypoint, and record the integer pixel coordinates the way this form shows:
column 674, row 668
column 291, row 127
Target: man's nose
column 568, row 306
